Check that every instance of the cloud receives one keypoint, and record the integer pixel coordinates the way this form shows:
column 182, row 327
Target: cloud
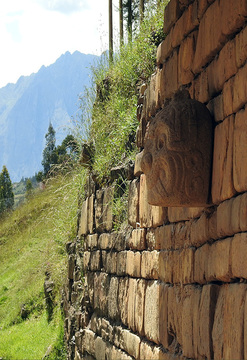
column 64, row 6
column 14, row 29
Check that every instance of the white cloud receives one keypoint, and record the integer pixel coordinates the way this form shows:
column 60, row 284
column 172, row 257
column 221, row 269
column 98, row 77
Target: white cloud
column 64, row 6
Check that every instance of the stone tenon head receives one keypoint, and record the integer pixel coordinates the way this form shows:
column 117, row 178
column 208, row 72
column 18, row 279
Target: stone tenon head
column 177, row 153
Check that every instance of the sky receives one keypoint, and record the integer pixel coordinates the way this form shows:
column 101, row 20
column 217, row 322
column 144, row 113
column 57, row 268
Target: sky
column 37, row 32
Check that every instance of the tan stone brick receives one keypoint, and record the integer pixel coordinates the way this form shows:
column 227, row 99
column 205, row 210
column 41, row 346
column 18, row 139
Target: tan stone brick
column 201, row 88
column 222, row 181
column 121, row 263
column 137, row 240
column 91, row 225
column 240, row 89
column 199, row 231
column 152, row 315
column 241, row 47
column 150, row 264
column 111, row 262
column 133, row 264
column 243, row 213
column 235, row 214
column 164, row 50
column 239, row 151
column 206, row 309
column 83, row 226
column 218, row 324
column 172, row 13
column 185, row 25
column 228, row 97
column 112, row 298
column 210, row 37
column 219, row 269
column 166, row 266
column 163, row 236
column 101, row 287
column 131, row 343
column 181, row 235
column 233, row 15
column 216, row 108
column 212, row 225
column 176, row 214
column 238, row 255
column 91, row 241
column 201, row 260
column 185, row 59
column 123, row 299
column 150, row 216
column 137, row 168
column 169, row 76
column 187, row 266
column 224, row 215
column 150, row 352
column 88, row 341
column 139, row 306
column 133, row 203
column 151, row 96
column 176, row 266
column 99, row 210
column 131, row 303
column 164, row 337
column 105, row 241
column 202, row 7
column 175, row 308
column 100, row 348
column 245, row 327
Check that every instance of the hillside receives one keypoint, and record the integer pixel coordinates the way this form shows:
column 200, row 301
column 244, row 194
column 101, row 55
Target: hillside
column 27, row 107
column 32, row 244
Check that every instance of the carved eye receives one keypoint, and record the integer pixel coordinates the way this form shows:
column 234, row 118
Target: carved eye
column 161, row 142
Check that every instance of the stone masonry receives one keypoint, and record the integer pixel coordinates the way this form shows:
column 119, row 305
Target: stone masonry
column 173, row 285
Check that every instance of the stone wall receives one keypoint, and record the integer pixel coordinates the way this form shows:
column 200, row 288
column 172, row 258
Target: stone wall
column 173, row 284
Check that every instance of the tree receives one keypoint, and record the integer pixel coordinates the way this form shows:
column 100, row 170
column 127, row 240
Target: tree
column 49, row 153
column 121, row 22
column 110, row 32
column 29, row 187
column 6, row 191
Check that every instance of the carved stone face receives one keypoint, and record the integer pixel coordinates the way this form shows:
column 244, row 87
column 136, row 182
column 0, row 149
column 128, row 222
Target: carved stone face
column 177, row 154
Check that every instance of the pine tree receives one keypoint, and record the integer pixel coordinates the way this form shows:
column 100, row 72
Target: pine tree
column 6, row 191
column 49, row 153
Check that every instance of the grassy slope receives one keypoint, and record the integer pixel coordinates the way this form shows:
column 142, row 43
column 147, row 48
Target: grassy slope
column 31, row 242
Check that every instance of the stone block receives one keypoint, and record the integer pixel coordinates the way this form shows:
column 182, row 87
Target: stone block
column 212, row 225
column 164, row 236
column 185, row 25
column 119, row 240
column 139, row 306
column 187, row 266
column 201, row 87
column 239, row 151
column 243, row 213
column 91, row 224
column 201, row 261
column 234, row 13
column 123, row 294
column 111, row 262
column 181, row 235
column 229, row 315
column 172, row 13
column 101, row 287
column 152, row 315
column 95, row 260
column 133, row 203
column 107, row 208
column 99, row 210
column 164, row 337
column 224, row 219
column 175, row 308
column 238, row 255
column 106, row 241
column 235, row 214
column 151, row 352
column 228, row 97
column 185, row 59
column 169, row 76
column 166, row 266
column 151, row 240
column 150, row 216
column 131, row 343
column 133, row 264
column 164, row 50
column 240, row 89
column 132, row 288
column 216, row 108
column 71, row 265
column 199, row 231
column 91, row 242
column 176, row 214
column 121, row 263
column 83, row 225
column 150, row 264
column 112, row 298
column 86, row 261
column 100, row 348
column 206, row 311
column 151, row 96
column 222, row 178
column 88, row 341
column 137, row 240
column 137, row 168
column 241, row 47
column 219, row 261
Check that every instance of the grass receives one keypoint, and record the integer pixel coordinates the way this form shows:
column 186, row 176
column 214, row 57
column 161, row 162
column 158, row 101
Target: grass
column 32, row 242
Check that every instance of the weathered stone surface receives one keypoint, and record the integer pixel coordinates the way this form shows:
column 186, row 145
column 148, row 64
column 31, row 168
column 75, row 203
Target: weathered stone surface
column 219, row 269
column 107, row 208
column 176, row 214
column 166, row 266
column 99, row 210
column 201, row 261
column 238, row 255
column 228, row 98
column 137, row 240
column 106, row 241
column 239, row 152
column 137, row 168
column 133, row 264
column 150, row 264
column 91, row 242
column 123, row 299
column 222, row 178
column 88, row 341
column 100, row 348
column 241, row 47
column 131, row 343
column 121, row 263
column 133, row 203
column 112, row 298
column 152, row 316
column 172, row 13
column 131, row 303
column 150, row 216
column 139, row 305
column 177, row 167
column 239, row 90
column 163, row 235
column 185, row 59
column 200, row 231
column 90, row 220
column 83, row 226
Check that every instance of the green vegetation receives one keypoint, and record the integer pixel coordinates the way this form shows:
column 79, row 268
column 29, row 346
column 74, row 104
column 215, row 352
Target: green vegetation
column 111, row 102
column 6, row 191
column 32, row 243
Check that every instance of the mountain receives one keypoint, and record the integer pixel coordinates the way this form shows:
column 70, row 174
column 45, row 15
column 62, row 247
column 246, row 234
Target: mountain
column 27, row 107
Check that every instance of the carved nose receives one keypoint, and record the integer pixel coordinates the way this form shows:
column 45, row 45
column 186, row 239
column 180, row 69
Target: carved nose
column 146, row 163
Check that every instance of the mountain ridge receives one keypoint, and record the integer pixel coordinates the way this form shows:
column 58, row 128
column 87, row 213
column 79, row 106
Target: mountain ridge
column 27, row 107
